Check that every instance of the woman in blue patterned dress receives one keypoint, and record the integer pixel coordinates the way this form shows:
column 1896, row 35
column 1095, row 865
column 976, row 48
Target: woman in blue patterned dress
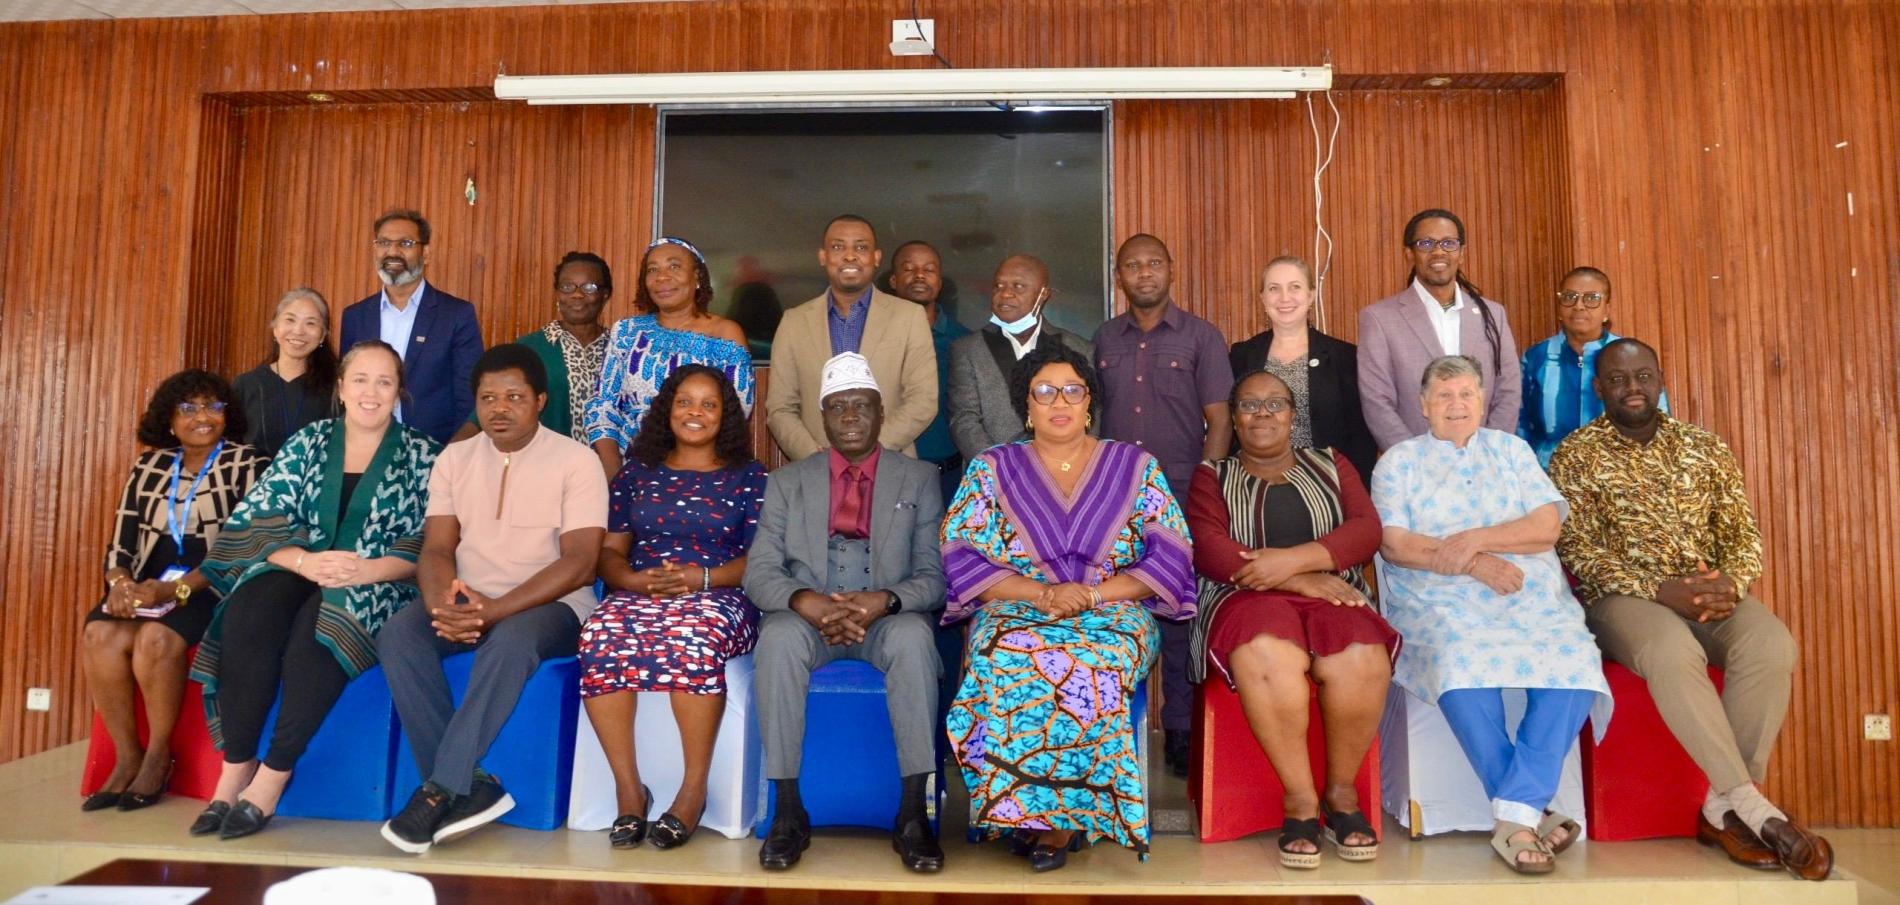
column 1059, row 547
column 1471, row 579
column 681, row 514
column 671, row 327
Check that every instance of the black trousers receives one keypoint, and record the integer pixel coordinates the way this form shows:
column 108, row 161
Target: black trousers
column 270, row 640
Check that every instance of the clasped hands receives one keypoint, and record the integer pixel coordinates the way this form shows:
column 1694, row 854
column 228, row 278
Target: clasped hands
column 669, row 579
column 1275, row 569
column 842, row 618
column 1706, row 596
column 332, row 568
column 458, row 616
column 130, row 594
column 1459, row 554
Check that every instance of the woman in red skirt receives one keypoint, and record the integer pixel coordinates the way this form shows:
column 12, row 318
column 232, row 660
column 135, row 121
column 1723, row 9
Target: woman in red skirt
column 1281, row 539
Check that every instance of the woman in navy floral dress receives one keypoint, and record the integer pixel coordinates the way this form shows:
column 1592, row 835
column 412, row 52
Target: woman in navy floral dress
column 682, row 513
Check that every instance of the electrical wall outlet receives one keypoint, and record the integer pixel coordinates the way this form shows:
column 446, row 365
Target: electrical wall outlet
column 39, row 699
column 913, row 37
column 1877, row 727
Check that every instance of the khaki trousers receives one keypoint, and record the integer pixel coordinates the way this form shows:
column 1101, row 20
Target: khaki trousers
column 1729, row 735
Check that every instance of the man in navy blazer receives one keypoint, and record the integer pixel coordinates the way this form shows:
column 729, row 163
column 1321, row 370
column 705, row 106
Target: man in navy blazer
column 435, row 333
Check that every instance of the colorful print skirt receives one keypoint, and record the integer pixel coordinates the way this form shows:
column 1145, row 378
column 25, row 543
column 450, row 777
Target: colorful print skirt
column 1042, row 725
column 633, row 642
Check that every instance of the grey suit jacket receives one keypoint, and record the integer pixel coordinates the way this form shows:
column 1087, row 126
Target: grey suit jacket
column 791, row 550
column 1396, row 342
column 982, row 414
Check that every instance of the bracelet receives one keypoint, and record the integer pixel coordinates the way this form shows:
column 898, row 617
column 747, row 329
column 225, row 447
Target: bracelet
column 298, row 568
column 1095, row 595
column 705, row 578
column 116, row 579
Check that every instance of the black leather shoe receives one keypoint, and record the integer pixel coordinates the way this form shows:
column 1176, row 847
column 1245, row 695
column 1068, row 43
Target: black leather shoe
column 1174, row 752
column 917, row 847
column 211, row 819
column 99, row 801
column 1044, row 858
column 243, row 820
column 785, row 843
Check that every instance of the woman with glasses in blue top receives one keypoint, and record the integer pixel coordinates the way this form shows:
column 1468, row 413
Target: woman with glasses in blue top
column 1558, row 397
column 670, row 327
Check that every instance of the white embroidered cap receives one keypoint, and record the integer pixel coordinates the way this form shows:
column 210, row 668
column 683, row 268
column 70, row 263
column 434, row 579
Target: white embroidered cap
column 845, row 371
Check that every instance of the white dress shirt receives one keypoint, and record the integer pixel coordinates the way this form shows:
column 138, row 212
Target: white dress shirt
column 395, row 324
column 1444, row 320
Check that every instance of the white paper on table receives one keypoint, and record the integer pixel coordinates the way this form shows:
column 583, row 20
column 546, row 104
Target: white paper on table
column 109, row 895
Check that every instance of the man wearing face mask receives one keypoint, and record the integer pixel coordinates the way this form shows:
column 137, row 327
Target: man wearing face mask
column 981, row 415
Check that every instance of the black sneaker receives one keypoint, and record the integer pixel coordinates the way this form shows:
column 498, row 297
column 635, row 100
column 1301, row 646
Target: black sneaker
column 485, row 802
column 413, row 830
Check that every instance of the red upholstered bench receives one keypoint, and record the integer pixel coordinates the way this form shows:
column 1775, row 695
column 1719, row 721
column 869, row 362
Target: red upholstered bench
column 1232, row 784
column 1638, row 782
column 196, row 767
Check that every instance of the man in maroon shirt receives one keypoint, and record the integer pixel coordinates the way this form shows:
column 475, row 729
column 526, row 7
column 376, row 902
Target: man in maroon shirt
column 1165, row 379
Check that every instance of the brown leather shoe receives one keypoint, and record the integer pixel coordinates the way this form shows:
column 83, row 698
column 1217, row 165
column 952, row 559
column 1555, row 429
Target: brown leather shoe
column 1740, row 842
column 1804, row 854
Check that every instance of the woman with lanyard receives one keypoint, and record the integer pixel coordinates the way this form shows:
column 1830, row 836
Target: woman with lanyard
column 295, row 385
column 157, row 604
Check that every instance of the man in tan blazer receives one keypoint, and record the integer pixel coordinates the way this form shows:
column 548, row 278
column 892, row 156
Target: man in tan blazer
column 851, row 317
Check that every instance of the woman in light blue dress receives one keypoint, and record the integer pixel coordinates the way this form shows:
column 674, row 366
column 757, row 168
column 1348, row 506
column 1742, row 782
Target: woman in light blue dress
column 1472, row 581
column 671, row 328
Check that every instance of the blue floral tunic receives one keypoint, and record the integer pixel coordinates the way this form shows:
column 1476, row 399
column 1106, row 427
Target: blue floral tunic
column 640, row 355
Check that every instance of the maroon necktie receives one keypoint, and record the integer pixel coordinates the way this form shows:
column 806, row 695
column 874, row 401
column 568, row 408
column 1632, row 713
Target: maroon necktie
column 844, row 516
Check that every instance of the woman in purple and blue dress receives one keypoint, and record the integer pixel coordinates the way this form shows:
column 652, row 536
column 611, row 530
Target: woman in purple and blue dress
column 682, row 512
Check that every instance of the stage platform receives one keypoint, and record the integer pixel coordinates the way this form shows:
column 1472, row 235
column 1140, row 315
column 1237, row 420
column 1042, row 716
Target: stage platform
column 44, row 839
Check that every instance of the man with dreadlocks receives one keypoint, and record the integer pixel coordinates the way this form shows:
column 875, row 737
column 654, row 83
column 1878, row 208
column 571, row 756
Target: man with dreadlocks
column 1438, row 313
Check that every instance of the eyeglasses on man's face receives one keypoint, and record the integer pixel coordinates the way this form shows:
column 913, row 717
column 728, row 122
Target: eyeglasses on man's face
column 841, row 406
column 1447, row 245
column 1272, row 405
column 190, row 409
column 1570, row 298
column 385, row 244
column 1072, row 393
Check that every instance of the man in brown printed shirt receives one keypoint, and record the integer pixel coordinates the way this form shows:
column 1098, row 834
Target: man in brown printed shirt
column 1664, row 547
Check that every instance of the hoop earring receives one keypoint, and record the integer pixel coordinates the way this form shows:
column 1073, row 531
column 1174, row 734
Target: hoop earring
column 1088, row 421
column 1027, row 425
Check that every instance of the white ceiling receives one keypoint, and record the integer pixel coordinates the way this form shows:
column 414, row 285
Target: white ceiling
column 31, row 10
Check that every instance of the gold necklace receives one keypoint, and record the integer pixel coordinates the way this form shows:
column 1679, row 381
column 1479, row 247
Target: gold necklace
column 1065, row 464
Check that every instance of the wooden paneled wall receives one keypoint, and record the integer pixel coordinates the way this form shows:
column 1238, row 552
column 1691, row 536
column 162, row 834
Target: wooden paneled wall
column 1730, row 165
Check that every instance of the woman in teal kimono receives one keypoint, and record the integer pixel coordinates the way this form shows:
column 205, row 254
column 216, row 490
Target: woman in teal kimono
column 310, row 565
column 1059, row 548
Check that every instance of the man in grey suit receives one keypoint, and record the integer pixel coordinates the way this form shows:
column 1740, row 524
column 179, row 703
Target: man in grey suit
column 846, row 565
column 981, row 414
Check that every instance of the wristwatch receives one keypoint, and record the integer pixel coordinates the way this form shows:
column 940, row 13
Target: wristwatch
column 895, row 606
column 181, row 591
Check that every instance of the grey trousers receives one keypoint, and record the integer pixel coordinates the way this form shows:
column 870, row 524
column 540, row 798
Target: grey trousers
column 1729, row 735
column 448, row 742
column 903, row 647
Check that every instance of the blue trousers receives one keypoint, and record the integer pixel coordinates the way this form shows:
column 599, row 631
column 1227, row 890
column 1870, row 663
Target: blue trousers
column 1520, row 777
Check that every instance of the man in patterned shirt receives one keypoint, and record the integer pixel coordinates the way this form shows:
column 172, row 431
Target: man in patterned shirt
column 1664, row 547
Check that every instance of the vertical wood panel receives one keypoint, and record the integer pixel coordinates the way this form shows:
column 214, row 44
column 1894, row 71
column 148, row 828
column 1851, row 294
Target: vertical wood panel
column 1692, row 149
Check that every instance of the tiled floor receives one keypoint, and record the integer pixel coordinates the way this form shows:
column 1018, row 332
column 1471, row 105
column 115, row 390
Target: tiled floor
column 45, row 838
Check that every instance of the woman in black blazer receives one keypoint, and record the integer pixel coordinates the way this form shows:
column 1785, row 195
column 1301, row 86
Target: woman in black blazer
column 1322, row 371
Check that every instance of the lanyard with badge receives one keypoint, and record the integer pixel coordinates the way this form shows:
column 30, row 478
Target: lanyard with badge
column 177, row 511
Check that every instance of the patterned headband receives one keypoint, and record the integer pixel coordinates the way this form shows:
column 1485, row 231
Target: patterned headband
column 675, row 240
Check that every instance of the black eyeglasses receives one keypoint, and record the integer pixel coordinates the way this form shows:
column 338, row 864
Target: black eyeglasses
column 1448, row 245
column 188, row 409
column 1571, row 298
column 1272, row 406
column 383, row 243
column 840, row 406
column 583, row 288
column 1072, row 393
